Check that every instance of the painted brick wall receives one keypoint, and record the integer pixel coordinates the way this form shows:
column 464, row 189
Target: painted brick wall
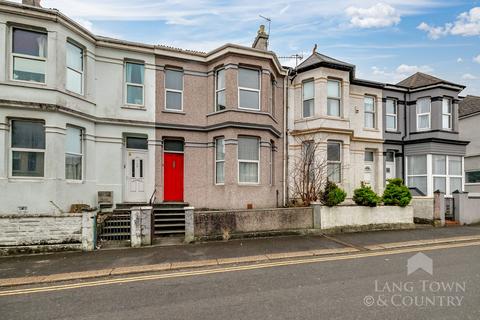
column 17, row 230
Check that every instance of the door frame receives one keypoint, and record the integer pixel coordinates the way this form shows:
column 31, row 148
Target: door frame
column 163, row 164
column 394, row 164
column 146, row 172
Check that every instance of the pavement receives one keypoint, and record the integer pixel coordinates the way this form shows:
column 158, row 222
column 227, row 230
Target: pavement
column 44, row 268
column 370, row 285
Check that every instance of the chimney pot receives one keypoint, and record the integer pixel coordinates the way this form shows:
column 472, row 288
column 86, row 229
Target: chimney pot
column 261, row 41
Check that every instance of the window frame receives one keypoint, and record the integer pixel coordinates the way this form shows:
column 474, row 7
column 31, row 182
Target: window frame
column 372, row 113
column 218, row 161
column 174, row 90
column 27, row 56
column 134, row 84
column 449, row 115
column 82, row 72
column 394, row 115
column 335, row 161
column 429, row 113
column 249, row 161
column 217, row 90
column 447, row 176
column 339, row 98
column 81, row 154
column 303, row 98
column 13, row 149
column 466, row 177
column 259, row 90
column 428, row 164
column 273, row 91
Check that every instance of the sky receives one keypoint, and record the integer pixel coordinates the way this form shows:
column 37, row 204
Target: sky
column 387, row 40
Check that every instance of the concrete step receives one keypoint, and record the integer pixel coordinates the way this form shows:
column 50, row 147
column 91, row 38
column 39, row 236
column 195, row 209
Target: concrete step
column 167, row 225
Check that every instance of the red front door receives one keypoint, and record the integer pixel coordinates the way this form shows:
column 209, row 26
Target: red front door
column 173, row 176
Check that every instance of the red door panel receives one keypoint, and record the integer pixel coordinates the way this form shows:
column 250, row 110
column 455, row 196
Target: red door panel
column 173, row 176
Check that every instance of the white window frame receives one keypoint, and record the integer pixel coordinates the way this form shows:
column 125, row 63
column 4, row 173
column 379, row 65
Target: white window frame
column 217, row 90
column 249, row 161
column 174, row 90
column 447, row 174
column 336, row 161
column 218, row 161
column 373, row 113
column 449, row 115
column 81, row 72
column 339, row 98
column 273, row 91
column 427, row 175
column 81, row 154
column 303, row 98
column 429, row 113
column 392, row 115
column 134, row 84
column 26, row 56
column 12, row 149
column 259, row 90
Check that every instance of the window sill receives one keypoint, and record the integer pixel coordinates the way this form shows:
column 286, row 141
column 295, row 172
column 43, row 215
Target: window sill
column 33, row 84
column 26, row 179
column 173, row 111
column 246, row 184
column 74, row 181
column 132, row 107
column 371, row 129
column 393, row 131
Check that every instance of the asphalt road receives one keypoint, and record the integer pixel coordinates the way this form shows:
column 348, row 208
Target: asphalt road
column 321, row 290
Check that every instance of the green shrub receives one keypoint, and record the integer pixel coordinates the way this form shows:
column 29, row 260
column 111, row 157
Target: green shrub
column 333, row 195
column 396, row 193
column 365, row 196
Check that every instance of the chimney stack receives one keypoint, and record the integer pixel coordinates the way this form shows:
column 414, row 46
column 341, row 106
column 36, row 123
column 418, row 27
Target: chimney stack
column 261, row 41
column 34, row 3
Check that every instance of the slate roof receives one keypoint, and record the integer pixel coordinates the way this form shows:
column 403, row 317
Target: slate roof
column 321, row 59
column 469, row 105
column 420, row 79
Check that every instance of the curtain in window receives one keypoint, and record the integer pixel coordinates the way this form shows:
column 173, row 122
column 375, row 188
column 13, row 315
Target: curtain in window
column 248, row 148
column 135, row 73
column 28, row 134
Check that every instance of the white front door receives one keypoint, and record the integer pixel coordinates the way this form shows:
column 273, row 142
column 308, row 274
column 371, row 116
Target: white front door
column 390, row 165
column 368, row 171
column 135, row 170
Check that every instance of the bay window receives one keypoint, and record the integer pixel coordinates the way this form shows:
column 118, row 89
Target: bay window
column 248, row 160
column 220, row 103
column 29, row 55
column 74, row 81
column 424, row 108
column 369, row 105
column 219, row 161
column 391, row 115
column 134, row 81
column 28, row 148
column 447, row 113
column 73, row 153
column 308, row 98
column 333, row 98
column 248, row 89
column 334, row 162
column 174, row 90
column 417, row 173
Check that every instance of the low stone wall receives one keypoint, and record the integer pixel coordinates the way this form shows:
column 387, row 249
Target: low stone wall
column 31, row 229
column 423, row 209
column 351, row 217
column 225, row 224
column 467, row 208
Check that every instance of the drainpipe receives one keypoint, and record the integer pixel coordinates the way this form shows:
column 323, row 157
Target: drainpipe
column 285, row 135
column 403, row 138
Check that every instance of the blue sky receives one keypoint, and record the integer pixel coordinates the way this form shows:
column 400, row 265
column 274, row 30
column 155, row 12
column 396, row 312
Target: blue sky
column 387, row 40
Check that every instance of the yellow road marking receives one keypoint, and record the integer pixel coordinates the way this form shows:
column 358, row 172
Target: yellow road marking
column 232, row 269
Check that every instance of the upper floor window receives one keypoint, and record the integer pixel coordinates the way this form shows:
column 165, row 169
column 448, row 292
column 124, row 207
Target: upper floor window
column 73, row 153
column 334, row 162
column 447, row 114
column 219, row 161
column 220, row 103
column 29, row 55
column 134, row 79
column 308, row 98
column 369, row 105
column 28, row 148
column 391, row 115
column 248, row 159
column 174, row 90
column 273, row 83
column 423, row 113
column 334, row 98
column 74, row 68
column 248, row 89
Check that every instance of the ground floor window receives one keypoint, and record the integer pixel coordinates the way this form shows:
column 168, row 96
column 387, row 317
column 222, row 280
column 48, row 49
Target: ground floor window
column 248, row 159
column 219, row 161
column 334, row 161
column 73, row 153
column 28, row 148
column 472, row 176
column 429, row 173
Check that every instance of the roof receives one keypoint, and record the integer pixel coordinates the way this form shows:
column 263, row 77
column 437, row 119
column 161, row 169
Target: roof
column 317, row 59
column 469, row 105
column 420, row 79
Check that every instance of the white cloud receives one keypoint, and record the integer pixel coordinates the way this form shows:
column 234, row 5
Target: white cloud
column 409, row 70
column 398, row 74
column 466, row 24
column 477, row 59
column 459, row 60
column 378, row 16
column 469, row 76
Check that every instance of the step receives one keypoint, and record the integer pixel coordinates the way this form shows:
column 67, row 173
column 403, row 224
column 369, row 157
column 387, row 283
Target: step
column 169, row 231
column 170, row 219
column 115, row 234
column 167, row 225
column 168, row 210
column 116, row 227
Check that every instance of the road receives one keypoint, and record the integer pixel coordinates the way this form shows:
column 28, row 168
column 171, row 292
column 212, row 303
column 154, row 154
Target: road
column 338, row 289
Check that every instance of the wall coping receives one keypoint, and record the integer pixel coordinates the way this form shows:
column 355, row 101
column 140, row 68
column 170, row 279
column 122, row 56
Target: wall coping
column 40, row 215
column 249, row 210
